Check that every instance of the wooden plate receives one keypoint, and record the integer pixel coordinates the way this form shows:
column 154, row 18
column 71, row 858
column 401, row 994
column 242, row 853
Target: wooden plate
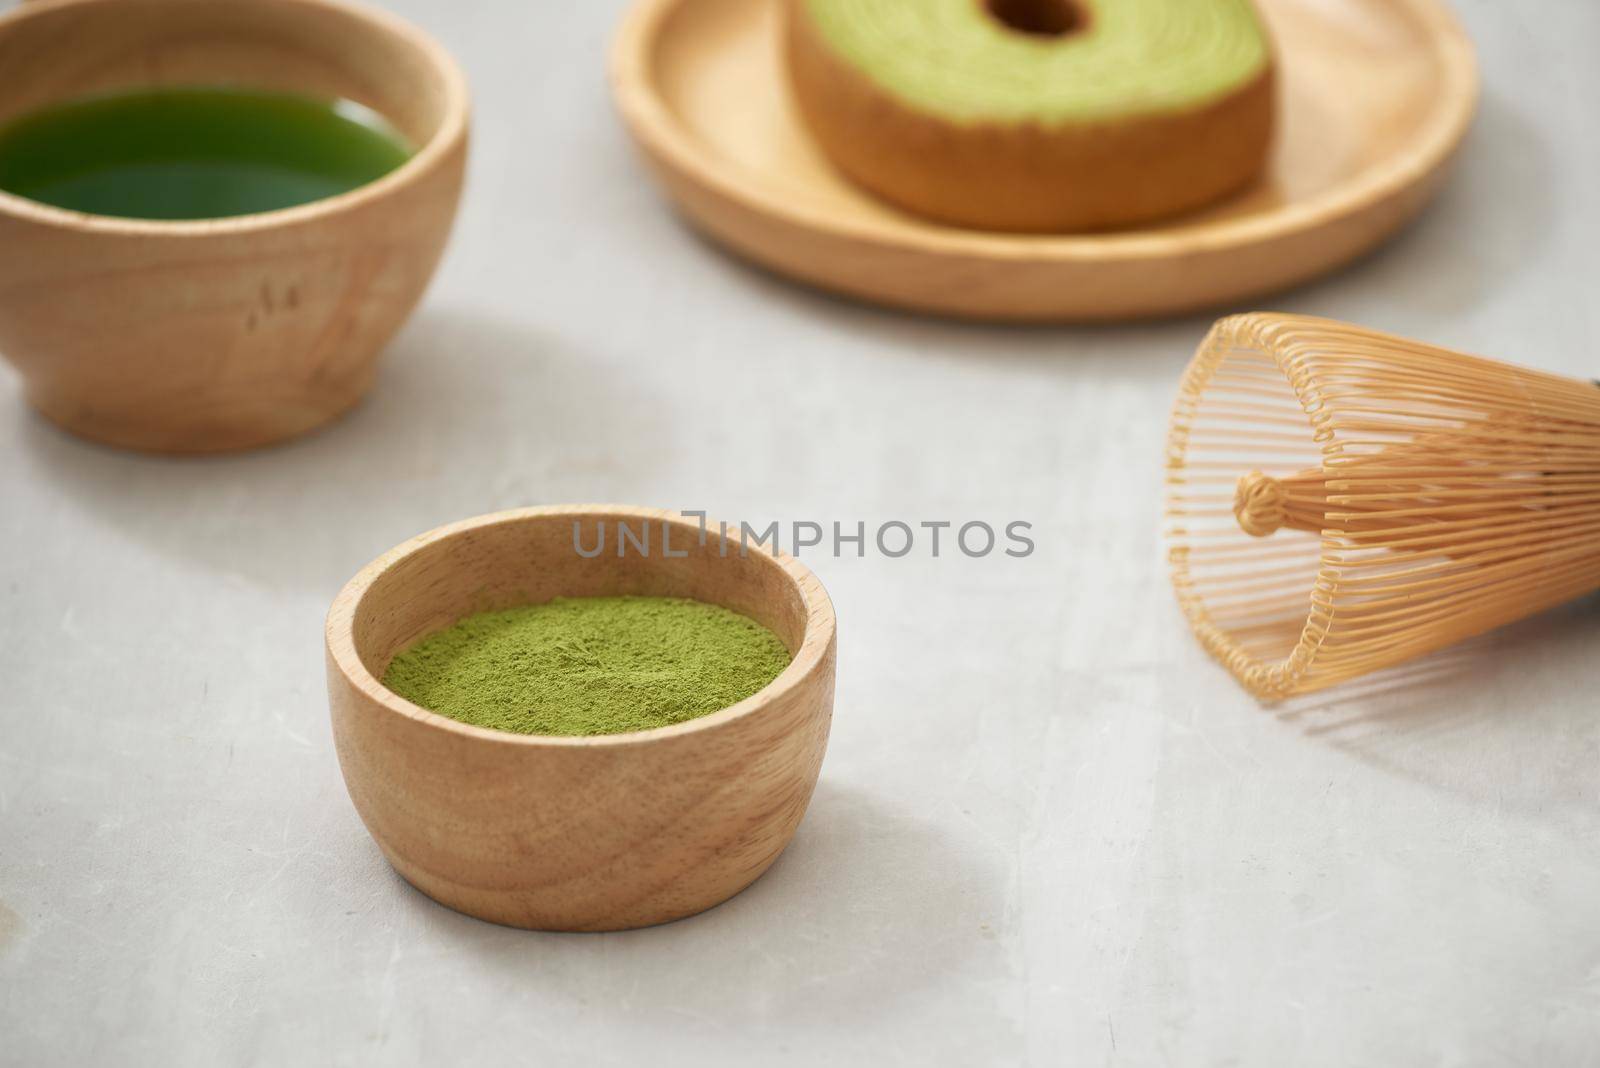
column 1375, row 97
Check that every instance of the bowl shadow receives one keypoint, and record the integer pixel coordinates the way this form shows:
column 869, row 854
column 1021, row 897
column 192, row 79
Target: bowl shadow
column 864, row 910
column 470, row 414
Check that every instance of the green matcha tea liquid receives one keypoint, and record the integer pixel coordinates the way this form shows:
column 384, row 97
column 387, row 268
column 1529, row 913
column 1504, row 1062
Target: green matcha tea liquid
column 192, row 153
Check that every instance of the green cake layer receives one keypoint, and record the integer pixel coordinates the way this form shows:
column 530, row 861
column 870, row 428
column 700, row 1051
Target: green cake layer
column 957, row 60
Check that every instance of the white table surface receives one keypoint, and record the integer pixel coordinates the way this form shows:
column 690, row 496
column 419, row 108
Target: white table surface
column 1048, row 830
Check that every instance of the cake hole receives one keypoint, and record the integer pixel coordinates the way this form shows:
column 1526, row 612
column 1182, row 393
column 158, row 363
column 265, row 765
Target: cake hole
column 1040, row 18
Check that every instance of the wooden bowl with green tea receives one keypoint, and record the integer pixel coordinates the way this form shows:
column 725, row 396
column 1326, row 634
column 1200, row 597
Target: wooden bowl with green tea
column 599, row 622
column 215, row 215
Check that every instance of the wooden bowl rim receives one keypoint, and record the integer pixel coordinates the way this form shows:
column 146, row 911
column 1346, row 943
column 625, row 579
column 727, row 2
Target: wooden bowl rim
column 817, row 639
column 660, row 131
column 446, row 139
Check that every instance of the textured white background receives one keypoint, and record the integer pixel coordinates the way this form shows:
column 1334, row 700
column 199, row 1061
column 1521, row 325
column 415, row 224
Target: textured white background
column 1048, row 829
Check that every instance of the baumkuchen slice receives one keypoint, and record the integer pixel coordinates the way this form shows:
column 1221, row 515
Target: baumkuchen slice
column 1036, row 115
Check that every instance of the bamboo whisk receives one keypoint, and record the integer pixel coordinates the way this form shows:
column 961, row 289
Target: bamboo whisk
column 1341, row 500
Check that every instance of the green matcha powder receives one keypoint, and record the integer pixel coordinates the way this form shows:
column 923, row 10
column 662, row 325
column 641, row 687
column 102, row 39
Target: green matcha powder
column 589, row 665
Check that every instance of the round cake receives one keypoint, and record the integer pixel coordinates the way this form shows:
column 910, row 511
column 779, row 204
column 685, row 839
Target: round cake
column 1036, row 115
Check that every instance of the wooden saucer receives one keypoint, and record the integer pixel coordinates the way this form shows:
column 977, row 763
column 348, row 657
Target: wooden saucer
column 1375, row 97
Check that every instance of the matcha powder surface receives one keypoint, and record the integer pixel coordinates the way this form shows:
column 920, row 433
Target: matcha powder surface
column 589, row 665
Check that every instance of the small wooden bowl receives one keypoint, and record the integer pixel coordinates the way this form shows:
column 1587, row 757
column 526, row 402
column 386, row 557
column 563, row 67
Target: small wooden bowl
column 207, row 335
column 577, row 834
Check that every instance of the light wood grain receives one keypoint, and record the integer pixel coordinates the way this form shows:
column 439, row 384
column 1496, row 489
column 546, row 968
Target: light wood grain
column 198, row 336
column 563, row 833
column 1375, row 96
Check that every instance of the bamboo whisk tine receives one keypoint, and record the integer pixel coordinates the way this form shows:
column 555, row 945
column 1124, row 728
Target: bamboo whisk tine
column 1341, row 500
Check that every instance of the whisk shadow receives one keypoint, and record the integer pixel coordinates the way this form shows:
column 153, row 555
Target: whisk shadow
column 1386, row 695
column 1433, row 682
column 1503, row 716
